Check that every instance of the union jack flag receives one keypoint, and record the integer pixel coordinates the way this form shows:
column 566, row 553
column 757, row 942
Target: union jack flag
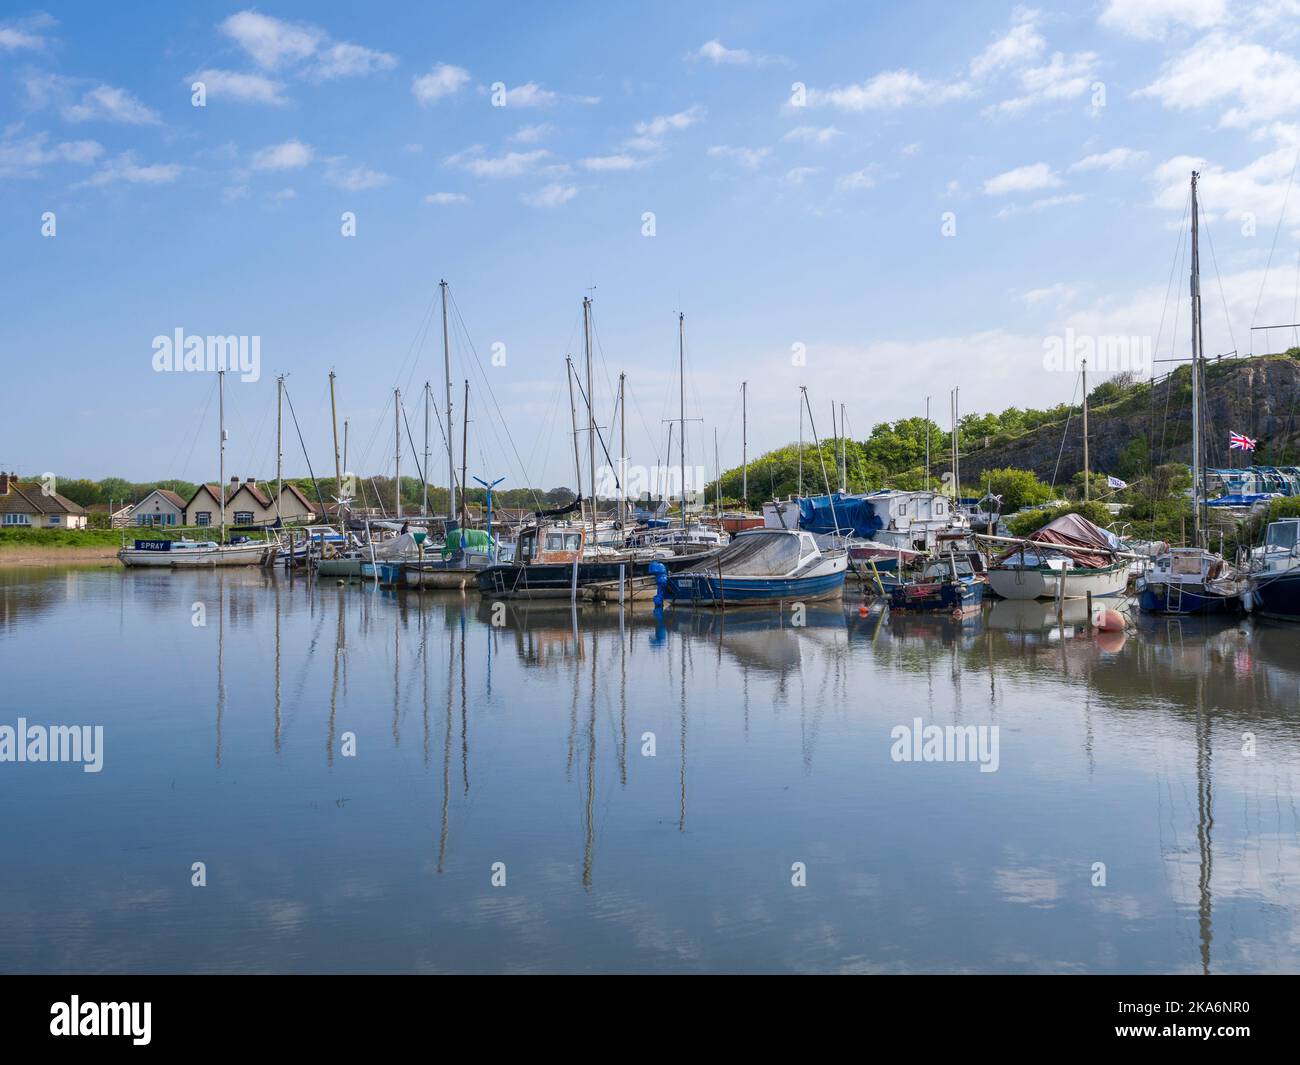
column 1240, row 443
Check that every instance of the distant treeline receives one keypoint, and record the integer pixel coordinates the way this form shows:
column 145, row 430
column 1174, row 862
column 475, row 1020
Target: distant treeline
column 372, row 492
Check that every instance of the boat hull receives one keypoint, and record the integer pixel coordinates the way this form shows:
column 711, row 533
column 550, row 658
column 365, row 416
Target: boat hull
column 702, row 588
column 1276, row 596
column 250, row 555
column 1178, row 599
column 1025, row 582
column 943, row 596
column 554, row 580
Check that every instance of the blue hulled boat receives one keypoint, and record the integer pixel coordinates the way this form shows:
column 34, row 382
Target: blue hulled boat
column 1274, row 583
column 763, row 566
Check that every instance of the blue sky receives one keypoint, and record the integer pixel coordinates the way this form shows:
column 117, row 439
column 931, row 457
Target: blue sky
column 1057, row 142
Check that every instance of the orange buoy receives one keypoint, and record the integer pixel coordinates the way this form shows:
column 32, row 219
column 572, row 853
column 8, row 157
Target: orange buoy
column 1104, row 619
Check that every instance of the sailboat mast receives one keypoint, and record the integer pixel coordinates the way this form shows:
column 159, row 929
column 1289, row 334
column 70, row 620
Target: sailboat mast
column 927, row 443
column 397, row 454
column 221, row 448
column 573, row 421
column 1087, row 489
column 622, row 449
column 1196, row 368
column 744, row 445
column 844, row 454
column 681, row 405
column 464, row 451
column 424, row 494
column 717, row 472
column 591, row 413
column 279, row 441
column 800, row 493
column 338, row 467
column 446, row 373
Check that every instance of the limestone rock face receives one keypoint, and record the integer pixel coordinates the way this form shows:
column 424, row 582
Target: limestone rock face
column 1259, row 397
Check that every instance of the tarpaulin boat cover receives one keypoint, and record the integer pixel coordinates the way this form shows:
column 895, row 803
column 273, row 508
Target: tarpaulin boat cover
column 761, row 553
column 852, row 515
column 1073, row 530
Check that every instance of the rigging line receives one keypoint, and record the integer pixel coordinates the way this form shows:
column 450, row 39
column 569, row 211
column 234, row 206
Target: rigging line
column 198, row 427
column 415, row 452
column 1173, row 267
column 1219, row 277
column 303, row 444
column 599, row 437
column 1066, row 433
column 496, row 406
column 1276, row 231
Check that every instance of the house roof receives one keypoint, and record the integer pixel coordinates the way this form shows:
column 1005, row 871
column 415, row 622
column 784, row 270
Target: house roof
column 28, row 499
column 260, row 497
column 294, row 490
column 212, row 492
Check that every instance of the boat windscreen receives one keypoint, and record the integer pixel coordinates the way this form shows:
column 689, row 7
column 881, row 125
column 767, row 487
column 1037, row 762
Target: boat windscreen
column 759, row 554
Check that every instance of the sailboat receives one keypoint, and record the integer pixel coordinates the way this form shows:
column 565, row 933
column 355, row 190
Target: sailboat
column 555, row 557
column 187, row 553
column 1192, row 580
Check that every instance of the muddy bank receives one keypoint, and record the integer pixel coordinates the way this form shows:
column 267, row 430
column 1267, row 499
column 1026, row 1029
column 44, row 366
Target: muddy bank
column 27, row 555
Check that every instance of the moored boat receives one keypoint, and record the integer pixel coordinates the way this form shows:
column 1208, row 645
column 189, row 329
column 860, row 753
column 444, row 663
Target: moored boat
column 1273, row 586
column 763, row 566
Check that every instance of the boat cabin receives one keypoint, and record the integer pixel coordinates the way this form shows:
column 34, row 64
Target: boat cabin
column 550, row 543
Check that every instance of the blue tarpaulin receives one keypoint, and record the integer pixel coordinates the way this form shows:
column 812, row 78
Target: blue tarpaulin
column 852, row 515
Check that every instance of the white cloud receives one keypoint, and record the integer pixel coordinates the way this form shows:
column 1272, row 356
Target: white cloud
column 1154, row 18
column 443, row 80
column 661, row 124
column 125, row 168
column 1258, row 189
column 531, row 94
column 1057, row 293
column 270, row 41
column 1044, row 204
column 342, row 60
column 512, row 164
column 1260, row 84
column 445, row 199
column 621, row 161
column 242, row 88
column 532, row 134
column 888, row 90
column 356, row 178
column 19, row 34
column 797, row 175
column 1063, row 77
column 108, row 104
column 1022, row 179
column 718, row 54
column 860, row 180
column 290, row 155
column 1115, row 159
column 813, row 134
column 25, row 158
column 1020, row 45
column 550, row 196
column 749, row 158
column 274, row 44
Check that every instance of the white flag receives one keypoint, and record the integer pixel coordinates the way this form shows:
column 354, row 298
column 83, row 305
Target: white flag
column 1115, row 482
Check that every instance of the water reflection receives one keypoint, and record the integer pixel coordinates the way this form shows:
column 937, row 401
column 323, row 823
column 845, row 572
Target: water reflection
column 647, row 781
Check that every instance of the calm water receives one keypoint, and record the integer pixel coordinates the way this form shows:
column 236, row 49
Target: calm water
column 522, row 743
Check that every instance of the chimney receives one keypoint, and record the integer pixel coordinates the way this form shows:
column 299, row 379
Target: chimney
column 251, row 482
column 6, row 480
column 234, row 482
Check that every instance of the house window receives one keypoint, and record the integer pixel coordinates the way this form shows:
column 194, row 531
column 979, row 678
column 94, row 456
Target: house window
column 203, row 518
column 18, row 519
column 54, row 519
column 243, row 517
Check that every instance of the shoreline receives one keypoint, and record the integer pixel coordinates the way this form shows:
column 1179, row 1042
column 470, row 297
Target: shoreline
column 35, row 555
